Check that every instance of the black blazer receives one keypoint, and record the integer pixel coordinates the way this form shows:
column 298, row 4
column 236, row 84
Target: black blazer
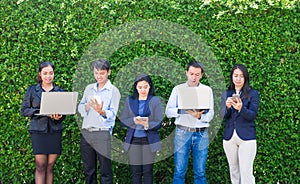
column 31, row 106
column 243, row 121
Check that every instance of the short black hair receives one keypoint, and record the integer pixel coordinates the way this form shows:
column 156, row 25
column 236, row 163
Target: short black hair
column 101, row 64
column 195, row 64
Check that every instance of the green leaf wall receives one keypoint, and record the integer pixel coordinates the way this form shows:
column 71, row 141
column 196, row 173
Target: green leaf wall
column 266, row 41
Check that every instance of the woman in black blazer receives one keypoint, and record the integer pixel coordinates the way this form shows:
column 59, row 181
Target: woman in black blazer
column 239, row 108
column 45, row 131
column 142, row 114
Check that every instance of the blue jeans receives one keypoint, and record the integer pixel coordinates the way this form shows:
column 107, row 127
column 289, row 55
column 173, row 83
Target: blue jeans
column 184, row 142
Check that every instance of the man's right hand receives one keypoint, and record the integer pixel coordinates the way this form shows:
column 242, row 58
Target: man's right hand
column 195, row 113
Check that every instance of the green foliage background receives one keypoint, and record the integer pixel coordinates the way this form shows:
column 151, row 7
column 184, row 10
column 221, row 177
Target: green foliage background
column 266, row 41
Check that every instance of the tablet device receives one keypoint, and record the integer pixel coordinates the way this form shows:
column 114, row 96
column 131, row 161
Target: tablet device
column 142, row 118
column 58, row 102
column 95, row 97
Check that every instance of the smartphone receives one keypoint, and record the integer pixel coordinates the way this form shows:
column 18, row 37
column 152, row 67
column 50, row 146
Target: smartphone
column 235, row 97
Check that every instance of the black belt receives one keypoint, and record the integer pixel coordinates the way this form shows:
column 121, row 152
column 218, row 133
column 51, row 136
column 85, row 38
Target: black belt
column 192, row 129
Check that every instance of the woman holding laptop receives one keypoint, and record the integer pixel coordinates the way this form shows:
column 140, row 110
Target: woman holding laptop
column 45, row 131
column 142, row 114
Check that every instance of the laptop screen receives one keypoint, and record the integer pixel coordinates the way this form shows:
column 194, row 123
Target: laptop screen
column 194, row 98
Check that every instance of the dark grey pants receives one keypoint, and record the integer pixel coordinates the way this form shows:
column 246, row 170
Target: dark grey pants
column 141, row 161
column 93, row 146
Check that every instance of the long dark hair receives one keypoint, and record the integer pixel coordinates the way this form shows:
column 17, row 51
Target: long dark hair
column 142, row 77
column 246, row 87
column 41, row 66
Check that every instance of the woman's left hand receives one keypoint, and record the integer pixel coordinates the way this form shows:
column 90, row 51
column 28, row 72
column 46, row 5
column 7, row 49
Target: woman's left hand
column 55, row 116
column 238, row 104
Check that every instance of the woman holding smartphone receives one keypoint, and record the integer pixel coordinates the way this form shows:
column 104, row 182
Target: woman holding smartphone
column 239, row 109
column 142, row 114
column 45, row 131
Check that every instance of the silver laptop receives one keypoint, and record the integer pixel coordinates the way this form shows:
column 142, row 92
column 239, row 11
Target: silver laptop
column 58, row 102
column 194, row 98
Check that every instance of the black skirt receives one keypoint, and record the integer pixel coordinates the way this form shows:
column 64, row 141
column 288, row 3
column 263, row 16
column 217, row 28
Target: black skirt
column 46, row 143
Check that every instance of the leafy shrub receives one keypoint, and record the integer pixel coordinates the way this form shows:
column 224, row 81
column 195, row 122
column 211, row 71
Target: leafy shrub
column 266, row 40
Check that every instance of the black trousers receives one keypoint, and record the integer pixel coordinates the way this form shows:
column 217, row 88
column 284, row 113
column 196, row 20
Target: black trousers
column 141, row 161
column 93, row 146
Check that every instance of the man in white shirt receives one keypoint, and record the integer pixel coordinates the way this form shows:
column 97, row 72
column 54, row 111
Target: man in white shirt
column 98, row 107
column 191, row 129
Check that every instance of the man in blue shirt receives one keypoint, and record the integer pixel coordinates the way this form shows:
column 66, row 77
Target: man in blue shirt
column 98, row 107
column 191, row 129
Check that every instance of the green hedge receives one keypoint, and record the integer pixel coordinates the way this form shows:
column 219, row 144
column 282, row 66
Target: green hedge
column 266, row 41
